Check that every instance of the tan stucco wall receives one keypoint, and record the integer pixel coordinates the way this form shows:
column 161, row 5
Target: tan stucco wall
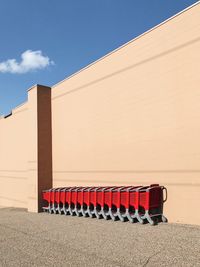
column 26, row 151
column 133, row 117
column 13, row 158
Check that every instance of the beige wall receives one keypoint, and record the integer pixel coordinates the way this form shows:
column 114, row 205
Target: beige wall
column 26, row 151
column 133, row 117
column 13, row 158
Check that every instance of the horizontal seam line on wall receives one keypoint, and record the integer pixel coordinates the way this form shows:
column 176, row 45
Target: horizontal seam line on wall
column 13, row 177
column 12, row 199
column 13, row 170
column 32, row 198
column 123, row 182
column 131, row 171
column 127, row 43
column 25, row 109
column 128, row 68
column 20, row 105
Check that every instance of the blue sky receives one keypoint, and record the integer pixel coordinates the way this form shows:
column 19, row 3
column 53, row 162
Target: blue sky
column 58, row 38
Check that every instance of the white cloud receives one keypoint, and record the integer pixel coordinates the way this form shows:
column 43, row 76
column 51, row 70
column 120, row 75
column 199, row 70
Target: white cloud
column 30, row 60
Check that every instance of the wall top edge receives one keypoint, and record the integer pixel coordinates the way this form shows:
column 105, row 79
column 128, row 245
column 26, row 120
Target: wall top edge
column 19, row 106
column 33, row 86
column 8, row 115
column 129, row 42
column 38, row 86
column 14, row 110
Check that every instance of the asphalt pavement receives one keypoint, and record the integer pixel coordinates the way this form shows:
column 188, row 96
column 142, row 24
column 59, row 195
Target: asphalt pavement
column 28, row 239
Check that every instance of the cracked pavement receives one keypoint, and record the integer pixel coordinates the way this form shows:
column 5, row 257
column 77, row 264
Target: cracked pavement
column 28, row 239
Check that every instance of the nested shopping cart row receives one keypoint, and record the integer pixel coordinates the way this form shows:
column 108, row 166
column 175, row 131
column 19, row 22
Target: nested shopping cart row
column 133, row 203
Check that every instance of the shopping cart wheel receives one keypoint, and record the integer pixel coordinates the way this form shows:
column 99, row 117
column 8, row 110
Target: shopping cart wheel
column 164, row 219
column 97, row 214
column 153, row 221
column 114, row 218
column 112, row 215
column 84, row 213
column 122, row 219
column 120, row 216
column 130, row 219
column 65, row 211
column 78, row 213
column 140, row 220
column 92, row 215
column 105, row 215
column 54, row 209
column 49, row 209
column 71, row 212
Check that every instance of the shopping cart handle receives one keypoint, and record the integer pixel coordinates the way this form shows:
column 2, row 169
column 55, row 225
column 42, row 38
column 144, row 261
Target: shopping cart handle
column 165, row 189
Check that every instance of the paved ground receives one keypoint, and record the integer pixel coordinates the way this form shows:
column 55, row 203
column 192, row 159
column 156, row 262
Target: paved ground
column 28, row 239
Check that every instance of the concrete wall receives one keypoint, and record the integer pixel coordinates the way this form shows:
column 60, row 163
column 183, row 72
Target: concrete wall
column 13, row 158
column 133, row 117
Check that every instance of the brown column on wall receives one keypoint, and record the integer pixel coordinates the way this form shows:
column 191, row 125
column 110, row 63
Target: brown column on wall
column 40, row 145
